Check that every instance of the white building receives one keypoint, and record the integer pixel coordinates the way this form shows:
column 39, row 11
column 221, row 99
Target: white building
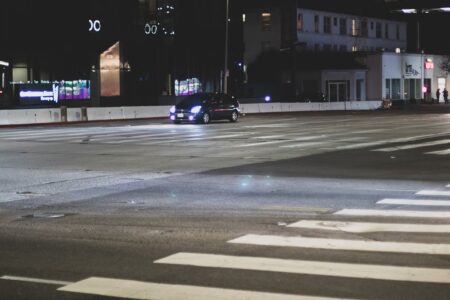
column 385, row 70
column 319, row 31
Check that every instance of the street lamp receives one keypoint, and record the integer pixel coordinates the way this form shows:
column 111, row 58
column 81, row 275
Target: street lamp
column 225, row 69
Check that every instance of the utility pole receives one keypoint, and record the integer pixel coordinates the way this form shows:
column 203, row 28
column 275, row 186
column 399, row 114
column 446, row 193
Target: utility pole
column 225, row 69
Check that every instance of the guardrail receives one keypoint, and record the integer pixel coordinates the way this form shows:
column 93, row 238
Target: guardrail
column 83, row 114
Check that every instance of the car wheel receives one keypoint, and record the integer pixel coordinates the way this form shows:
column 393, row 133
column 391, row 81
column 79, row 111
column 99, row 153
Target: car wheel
column 234, row 116
column 206, row 118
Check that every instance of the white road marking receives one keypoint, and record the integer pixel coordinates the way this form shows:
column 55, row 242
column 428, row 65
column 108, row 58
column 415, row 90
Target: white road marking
column 434, row 193
column 366, row 271
column 414, row 146
column 362, row 227
column 414, row 202
column 302, row 145
column 393, row 213
column 390, row 141
column 339, row 244
column 441, row 152
column 35, row 280
column 157, row 291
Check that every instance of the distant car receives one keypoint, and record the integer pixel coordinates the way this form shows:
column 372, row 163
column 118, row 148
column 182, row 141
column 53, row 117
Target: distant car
column 204, row 107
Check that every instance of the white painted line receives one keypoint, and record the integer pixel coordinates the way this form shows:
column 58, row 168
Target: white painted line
column 393, row 213
column 442, row 152
column 414, row 202
column 157, row 291
column 414, row 146
column 347, row 245
column 434, row 193
column 362, row 227
column 303, row 145
column 35, row 280
column 390, row 141
column 365, row 271
column 261, row 143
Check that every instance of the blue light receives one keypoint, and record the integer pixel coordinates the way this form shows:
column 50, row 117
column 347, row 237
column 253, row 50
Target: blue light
column 191, row 118
column 196, row 109
column 172, row 118
column 267, row 98
column 172, row 109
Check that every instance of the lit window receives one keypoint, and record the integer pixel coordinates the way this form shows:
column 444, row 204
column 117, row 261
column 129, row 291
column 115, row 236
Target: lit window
column 244, row 18
column 355, row 27
column 266, row 20
column 300, row 22
column 316, row 23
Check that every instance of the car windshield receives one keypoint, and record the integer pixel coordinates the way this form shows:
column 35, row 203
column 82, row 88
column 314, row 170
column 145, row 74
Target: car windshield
column 193, row 100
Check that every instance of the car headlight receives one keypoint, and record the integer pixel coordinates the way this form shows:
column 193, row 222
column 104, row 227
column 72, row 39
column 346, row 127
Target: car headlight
column 172, row 109
column 196, row 109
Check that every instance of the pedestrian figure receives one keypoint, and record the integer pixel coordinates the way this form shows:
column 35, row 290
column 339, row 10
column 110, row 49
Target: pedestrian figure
column 438, row 94
column 445, row 93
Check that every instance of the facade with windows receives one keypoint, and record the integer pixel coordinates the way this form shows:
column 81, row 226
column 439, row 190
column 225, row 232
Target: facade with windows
column 320, row 31
column 385, row 70
column 406, row 76
column 327, row 31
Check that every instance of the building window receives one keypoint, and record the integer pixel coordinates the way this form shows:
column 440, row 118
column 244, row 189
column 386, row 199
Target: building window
column 355, row 27
column 359, row 89
column 316, row 23
column 327, row 24
column 387, row 93
column 335, row 21
column 371, row 25
column 266, row 45
column 413, row 89
column 343, row 26
column 300, row 22
column 386, row 31
column 266, row 21
column 364, row 32
column 396, row 89
column 378, row 30
column 397, row 32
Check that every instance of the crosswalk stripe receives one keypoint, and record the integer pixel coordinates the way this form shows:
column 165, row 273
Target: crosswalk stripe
column 393, row 213
column 131, row 289
column 433, row 193
column 415, row 202
column 365, row 271
column 441, row 152
column 362, row 227
column 414, row 146
column 339, row 244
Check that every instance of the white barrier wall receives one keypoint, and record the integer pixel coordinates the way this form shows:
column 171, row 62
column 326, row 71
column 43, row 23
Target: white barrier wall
column 55, row 115
column 30, row 116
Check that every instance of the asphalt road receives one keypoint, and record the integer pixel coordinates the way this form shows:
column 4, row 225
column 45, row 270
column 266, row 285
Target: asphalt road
column 283, row 206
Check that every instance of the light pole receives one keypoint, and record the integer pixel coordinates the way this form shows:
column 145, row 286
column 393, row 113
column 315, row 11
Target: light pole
column 225, row 69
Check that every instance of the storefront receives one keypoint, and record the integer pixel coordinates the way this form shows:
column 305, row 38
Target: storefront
column 406, row 76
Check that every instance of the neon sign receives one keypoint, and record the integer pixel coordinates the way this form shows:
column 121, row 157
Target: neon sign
column 95, row 25
column 151, row 28
column 429, row 64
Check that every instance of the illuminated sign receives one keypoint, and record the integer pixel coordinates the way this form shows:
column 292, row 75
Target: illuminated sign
column 429, row 64
column 4, row 63
column 95, row 25
column 151, row 28
column 38, row 93
column 187, row 87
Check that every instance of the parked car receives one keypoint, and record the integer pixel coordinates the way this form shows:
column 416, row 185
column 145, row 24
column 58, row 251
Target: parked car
column 204, row 107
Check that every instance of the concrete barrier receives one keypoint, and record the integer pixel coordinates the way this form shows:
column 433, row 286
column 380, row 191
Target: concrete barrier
column 57, row 115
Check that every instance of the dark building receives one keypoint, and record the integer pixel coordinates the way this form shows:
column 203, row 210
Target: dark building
column 109, row 52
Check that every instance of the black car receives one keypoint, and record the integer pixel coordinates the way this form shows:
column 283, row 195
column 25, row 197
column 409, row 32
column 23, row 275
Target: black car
column 204, row 107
